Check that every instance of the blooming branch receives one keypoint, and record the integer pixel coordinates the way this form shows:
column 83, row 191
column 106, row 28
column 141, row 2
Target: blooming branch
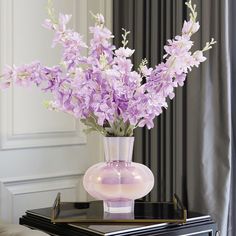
column 102, row 89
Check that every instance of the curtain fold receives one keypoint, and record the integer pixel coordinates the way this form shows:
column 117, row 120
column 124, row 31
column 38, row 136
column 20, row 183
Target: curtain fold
column 232, row 35
column 190, row 148
column 209, row 118
column 151, row 23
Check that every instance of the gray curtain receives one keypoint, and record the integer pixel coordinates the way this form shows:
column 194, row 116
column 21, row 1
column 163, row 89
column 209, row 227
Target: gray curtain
column 232, row 35
column 189, row 150
column 151, row 23
column 209, row 118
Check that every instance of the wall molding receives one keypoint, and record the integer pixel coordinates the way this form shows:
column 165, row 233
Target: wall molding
column 18, row 194
column 10, row 139
column 38, row 183
column 11, row 188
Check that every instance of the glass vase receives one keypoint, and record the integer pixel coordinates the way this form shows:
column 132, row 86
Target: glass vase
column 118, row 181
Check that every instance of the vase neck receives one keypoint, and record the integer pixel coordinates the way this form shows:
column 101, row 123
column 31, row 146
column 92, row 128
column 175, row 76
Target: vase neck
column 118, row 148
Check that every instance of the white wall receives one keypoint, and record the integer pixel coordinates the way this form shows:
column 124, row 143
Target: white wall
column 41, row 152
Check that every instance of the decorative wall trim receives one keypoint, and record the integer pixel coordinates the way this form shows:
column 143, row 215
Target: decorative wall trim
column 11, row 188
column 40, row 183
column 9, row 139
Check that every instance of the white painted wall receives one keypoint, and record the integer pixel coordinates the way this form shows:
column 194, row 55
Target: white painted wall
column 41, row 152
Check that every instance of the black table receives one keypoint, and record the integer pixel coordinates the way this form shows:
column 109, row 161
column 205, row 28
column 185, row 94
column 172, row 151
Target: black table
column 197, row 225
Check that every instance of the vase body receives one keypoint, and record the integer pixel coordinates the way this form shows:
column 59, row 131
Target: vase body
column 118, row 181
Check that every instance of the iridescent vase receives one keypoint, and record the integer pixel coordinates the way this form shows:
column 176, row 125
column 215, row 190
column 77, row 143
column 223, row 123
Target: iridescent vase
column 118, row 181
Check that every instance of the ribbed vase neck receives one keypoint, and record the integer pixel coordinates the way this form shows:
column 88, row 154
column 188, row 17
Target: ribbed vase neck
column 118, row 148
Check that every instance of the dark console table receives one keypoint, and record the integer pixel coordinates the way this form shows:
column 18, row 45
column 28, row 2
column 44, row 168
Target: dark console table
column 198, row 225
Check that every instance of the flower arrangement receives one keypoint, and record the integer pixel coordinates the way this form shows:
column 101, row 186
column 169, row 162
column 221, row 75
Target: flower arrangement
column 102, row 89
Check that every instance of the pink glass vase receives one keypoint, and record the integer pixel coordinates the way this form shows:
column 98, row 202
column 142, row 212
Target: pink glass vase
column 118, row 181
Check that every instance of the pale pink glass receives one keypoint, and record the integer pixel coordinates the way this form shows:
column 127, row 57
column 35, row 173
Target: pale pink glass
column 118, row 181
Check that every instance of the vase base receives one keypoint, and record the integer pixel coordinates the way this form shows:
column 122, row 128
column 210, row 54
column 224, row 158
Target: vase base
column 118, row 206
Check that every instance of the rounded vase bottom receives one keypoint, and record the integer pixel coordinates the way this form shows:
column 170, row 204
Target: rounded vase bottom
column 118, row 181
column 118, row 206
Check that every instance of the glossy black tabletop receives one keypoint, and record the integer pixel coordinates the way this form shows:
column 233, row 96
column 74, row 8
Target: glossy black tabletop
column 108, row 226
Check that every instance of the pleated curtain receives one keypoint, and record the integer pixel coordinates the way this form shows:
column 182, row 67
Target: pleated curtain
column 190, row 148
column 151, row 23
column 209, row 116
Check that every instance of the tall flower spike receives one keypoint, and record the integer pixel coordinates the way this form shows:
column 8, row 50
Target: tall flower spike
column 124, row 36
column 192, row 8
column 51, row 12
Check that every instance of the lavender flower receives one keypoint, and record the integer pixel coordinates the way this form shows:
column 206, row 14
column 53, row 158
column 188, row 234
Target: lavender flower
column 102, row 89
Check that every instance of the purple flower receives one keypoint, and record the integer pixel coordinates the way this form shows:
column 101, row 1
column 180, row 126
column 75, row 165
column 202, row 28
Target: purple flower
column 124, row 52
column 102, row 89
